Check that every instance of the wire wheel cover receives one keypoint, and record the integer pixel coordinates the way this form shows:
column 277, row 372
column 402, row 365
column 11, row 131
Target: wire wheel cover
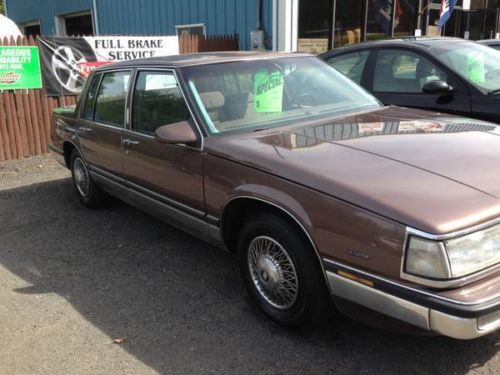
column 273, row 272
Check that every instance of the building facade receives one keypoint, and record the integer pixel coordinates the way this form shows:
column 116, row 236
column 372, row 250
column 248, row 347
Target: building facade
column 304, row 25
column 140, row 17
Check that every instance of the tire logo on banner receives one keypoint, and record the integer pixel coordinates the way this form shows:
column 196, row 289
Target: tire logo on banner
column 68, row 61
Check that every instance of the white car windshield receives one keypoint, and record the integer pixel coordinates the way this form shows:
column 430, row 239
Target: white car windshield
column 478, row 64
column 269, row 92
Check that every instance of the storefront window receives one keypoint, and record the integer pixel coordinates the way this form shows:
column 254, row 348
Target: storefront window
column 315, row 25
column 349, row 23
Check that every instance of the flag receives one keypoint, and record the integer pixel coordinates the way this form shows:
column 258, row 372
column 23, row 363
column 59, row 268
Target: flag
column 382, row 10
column 446, row 10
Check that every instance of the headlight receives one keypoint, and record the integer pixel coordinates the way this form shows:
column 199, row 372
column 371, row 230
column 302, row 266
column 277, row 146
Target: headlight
column 453, row 258
column 474, row 252
column 427, row 259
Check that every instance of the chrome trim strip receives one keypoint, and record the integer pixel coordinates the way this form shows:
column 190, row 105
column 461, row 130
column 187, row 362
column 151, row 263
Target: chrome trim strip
column 409, row 312
column 382, row 302
column 164, row 199
column 171, row 215
column 106, row 174
column 443, row 284
column 406, row 287
column 311, row 241
column 448, row 236
column 148, row 192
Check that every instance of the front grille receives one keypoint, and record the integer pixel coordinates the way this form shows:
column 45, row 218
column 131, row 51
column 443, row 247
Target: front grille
column 486, row 320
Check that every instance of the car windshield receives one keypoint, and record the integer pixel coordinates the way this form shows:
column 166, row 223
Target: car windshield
column 258, row 94
column 477, row 63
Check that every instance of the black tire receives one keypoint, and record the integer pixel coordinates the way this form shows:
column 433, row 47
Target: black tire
column 312, row 301
column 92, row 197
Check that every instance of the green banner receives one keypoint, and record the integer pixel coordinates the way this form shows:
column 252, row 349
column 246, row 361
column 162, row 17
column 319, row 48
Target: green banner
column 20, row 68
column 268, row 92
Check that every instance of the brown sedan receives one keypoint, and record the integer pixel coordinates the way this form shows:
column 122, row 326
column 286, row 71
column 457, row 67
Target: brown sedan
column 319, row 190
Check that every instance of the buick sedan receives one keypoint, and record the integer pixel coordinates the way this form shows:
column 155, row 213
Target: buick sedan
column 322, row 193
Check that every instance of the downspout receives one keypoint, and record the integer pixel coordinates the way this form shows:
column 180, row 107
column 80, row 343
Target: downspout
column 5, row 8
column 96, row 19
column 258, row 26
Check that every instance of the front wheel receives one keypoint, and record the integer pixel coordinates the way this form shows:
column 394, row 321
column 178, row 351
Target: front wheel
column 87, row 190
column 281, row 271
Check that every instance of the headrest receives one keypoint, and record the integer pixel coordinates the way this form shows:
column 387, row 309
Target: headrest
column 212, row 100
column 424, row 68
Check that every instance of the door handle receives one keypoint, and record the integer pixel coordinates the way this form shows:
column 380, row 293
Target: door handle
column 130, row 142
column 84, row 130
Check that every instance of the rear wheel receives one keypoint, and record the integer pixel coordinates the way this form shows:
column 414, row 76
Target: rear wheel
column 87, row 190
column 281, row 271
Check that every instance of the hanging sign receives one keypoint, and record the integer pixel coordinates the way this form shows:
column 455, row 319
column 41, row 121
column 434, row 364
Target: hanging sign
column 68, row 61
column 19, row 68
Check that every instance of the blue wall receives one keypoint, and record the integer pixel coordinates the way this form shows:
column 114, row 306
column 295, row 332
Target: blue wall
column 148, row 17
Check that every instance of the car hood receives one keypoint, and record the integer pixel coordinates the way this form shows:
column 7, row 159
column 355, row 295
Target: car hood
column 434, row 172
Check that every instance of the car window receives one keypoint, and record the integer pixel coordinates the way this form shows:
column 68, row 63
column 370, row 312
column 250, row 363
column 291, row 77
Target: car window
column 351, row 65
column 271, row 92
column 110, row 102
column 157, row 101
column 404, row 71
column 88, row 109
column 478, row 64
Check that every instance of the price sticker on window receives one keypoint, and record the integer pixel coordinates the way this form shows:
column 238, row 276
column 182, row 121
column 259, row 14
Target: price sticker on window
column 268, row 92
column 475, row 68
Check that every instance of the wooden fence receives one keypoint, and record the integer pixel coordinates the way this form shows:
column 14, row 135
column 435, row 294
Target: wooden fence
column 25, row 115
column 213, row 43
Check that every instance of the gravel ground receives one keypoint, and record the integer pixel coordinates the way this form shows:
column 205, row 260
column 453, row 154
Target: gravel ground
column 72, row 280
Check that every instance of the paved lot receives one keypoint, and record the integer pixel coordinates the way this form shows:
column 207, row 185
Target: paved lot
column 73, row 279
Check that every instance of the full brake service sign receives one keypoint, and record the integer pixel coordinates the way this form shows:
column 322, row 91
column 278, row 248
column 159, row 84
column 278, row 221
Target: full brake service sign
column 19, row 68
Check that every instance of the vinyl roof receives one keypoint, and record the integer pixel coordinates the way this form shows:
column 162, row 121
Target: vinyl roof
column 202, row 59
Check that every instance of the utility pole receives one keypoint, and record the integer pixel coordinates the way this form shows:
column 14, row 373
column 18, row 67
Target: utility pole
column 392, row 24
column 419, row 17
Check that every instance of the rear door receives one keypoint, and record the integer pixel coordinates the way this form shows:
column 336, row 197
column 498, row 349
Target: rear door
column 172, row 173
column 397, row 77
column 102, row 120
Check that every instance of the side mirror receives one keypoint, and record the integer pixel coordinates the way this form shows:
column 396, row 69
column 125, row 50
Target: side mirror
column 437, row 87
column 179, row 132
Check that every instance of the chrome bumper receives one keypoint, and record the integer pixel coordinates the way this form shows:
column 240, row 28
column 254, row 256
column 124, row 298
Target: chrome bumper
column 421, row 316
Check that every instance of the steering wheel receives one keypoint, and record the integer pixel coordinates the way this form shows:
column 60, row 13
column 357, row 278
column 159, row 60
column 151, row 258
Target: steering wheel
column 306, row 100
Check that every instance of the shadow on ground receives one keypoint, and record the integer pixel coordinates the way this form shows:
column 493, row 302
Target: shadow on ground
column 181, row 303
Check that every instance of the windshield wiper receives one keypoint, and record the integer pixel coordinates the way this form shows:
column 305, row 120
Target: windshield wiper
column 493, row 91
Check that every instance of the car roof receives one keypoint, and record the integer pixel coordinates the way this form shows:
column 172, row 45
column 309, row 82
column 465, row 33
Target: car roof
column 203, row 58
column 489, row 41
column 415, row 41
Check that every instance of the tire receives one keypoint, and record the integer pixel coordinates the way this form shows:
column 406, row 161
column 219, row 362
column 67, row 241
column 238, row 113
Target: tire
column 87, row 190
column 288, row 263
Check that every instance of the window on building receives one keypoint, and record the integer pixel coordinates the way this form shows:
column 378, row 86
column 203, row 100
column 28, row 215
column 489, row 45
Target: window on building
column 157, row 101
column 404, row 72
column 351, row 64
column 194, row 29
column 75, row 24
column 32, row 28
column 110, row 102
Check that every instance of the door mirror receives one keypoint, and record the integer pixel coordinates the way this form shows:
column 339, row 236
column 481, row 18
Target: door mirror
column 179, row 132
column 437, row 87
